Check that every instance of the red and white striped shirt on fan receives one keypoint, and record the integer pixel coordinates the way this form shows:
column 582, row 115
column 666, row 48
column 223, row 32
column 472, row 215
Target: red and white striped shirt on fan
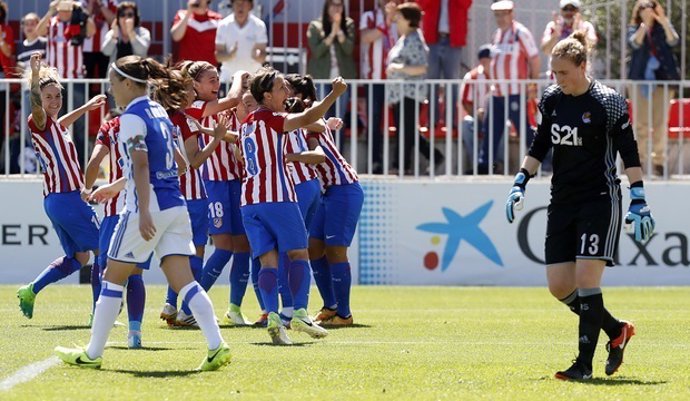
column 221, row 165
column 297, row 143
column 335, row 170
column 263, row 149
column 57, row 156
column 512, row 50
column 191, row 184
column 61, row 54
column 93, row 44
column 107, row 136
column 199, row 40
column 473, row 88
column 373, row 55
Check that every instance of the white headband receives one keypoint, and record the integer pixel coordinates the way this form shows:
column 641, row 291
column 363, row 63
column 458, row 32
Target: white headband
column 125, row 75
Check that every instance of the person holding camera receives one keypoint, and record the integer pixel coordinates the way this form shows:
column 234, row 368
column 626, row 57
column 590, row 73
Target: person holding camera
column 126, row 37
column 103, row 13
column 194, row 29
column 68, row 25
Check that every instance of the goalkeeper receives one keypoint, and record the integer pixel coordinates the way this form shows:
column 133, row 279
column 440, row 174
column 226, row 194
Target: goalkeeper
column 587, row 125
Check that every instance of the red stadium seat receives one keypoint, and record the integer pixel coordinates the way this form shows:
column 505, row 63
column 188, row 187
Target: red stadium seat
column 676, row 126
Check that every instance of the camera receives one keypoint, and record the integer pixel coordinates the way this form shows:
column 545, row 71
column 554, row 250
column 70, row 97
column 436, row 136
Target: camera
column 77, row 26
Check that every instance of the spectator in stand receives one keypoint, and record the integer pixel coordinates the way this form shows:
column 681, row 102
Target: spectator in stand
column 6, row 67
column 564, row 24
column 331, row 48
column 407, row 60
column 515, row 57
column 651, row 37
column 33, row 43
column 378, row 34
column 127, row 37
column 241, row 41
column 103, row 14
column 66, row 34
column 474, row 94
column 445, row 30
column 195, row 31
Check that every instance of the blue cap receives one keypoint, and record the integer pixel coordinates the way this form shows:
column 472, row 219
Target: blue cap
column 484, row 51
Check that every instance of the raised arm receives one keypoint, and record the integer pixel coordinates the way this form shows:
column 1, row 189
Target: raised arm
column 38, row 114
column 43, row 24
column 294, row 121
column 233, row 97
column 180, row 27
column 69, row 118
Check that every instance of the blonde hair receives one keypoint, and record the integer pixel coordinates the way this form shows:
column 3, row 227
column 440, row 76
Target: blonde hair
column 46, row 76
column 574, row 48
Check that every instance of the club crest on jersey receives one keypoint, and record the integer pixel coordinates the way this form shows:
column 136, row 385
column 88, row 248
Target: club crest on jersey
column 249, row 128
column 217, row 222
column 587, row 117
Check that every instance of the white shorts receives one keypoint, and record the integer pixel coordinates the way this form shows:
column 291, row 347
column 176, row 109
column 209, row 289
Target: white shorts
column 173, row 236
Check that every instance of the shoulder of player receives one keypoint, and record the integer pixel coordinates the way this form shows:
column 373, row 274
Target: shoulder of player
column 551, row 95
column 608, row 97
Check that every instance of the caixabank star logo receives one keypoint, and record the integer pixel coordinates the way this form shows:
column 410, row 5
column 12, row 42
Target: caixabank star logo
column 458, row 229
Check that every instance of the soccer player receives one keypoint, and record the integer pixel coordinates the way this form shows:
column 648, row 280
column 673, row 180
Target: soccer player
column 270, row 212
column 587, row 124
column 106, row 145
column 221, row 175
column 334, row 223
column 74, row 221
column 154, row 218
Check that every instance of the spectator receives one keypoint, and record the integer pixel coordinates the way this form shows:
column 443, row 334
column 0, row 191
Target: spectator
column 378, row 34
column 103, row 13
column 569, row 21
column 474, row 94
column 515, row 57
column 651, row 37
column 445, row 30
column 66, row 33
column 195, row 31
column 127, row 37
column 331, row 47
column 6, row 68
column 407, row 60
column 241, row 40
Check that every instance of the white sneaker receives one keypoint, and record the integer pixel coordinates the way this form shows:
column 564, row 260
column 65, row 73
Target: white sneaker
column 235, row 317
column 277, row 331
column 134, row 340
column 302, row 322
column 169, row 313
column 185, row 320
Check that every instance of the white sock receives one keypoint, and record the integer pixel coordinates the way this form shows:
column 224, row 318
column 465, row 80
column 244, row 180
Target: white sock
column 202, row 309
column 287, row 312
column 107, row 308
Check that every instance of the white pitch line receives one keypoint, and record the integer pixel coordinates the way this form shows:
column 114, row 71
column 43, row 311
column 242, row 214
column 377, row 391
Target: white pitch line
column 28, row 373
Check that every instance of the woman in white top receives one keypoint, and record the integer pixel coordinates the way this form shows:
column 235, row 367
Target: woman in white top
column 126, row 37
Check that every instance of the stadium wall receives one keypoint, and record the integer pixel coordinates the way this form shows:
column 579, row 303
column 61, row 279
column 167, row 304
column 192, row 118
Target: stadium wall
column 414, row 233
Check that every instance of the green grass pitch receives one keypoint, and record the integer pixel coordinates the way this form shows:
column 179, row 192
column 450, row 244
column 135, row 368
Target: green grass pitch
column 421, row 343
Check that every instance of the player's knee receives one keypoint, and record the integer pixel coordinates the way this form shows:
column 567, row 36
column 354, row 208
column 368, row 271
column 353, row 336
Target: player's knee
column 316, row 248
column 336, row 254
column 240, row 243
column 222, row 241
column 298, row 254
column 560, row 288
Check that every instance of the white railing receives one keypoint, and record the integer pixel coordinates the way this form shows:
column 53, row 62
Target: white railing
column 452, row 132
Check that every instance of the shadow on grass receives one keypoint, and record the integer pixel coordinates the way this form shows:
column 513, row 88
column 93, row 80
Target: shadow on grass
column 352, row 326
column 145, row 348
column 156, row 373
column 267, row 344
column 62, row 327
column 613, row 381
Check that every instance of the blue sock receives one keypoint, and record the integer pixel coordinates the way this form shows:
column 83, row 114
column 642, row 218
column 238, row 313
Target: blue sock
column 214, row 267
column 256, row 268
column 239, row 277
column 95, row 282
column 268, row 285
column 342, row 281
column 197, row 265
column 324, row 281
column 59, row 269
column 136, row 299
column 284, row 288
column 171, row 297
column 299, row 280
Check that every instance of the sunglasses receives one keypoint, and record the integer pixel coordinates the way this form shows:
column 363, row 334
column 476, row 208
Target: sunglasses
column 569, row 9
column 127, row 15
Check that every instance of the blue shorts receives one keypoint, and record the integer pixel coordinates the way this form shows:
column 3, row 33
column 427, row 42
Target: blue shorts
column 224, row 207
column 274, row 225
column 75, row 222
column 336, row 219
column 198, row 215
column 308, row 197
column 105, row 234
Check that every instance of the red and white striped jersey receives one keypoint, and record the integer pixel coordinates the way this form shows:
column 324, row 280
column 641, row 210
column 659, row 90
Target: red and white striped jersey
column 68, row 59
column 191, row 183
column 107, row 136
column 373, row 55
column 263, row 150
column 335, row 170
column 511, row 53
column 93, row 44
column 473, row 88
column 221, row 165
column 297, row 143
column 57, row 155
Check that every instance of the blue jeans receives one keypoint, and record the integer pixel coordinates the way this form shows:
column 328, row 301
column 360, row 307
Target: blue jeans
column 444, row 63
